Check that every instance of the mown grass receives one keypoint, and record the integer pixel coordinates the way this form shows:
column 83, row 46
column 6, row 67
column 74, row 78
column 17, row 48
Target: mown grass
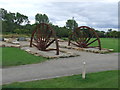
column 105, row 79
column 16, row 56
column 109, row 43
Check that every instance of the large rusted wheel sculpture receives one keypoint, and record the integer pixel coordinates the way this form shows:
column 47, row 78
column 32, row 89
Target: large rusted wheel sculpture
column 84, row 36
column 43, row 36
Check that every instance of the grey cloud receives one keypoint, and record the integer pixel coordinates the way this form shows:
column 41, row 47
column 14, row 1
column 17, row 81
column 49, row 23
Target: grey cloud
column 94, row 14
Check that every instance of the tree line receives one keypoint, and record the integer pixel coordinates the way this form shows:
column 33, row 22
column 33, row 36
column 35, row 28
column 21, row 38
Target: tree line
column 20, row 24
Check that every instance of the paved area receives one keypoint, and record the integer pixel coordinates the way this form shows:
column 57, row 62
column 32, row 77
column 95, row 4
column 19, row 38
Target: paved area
column 64, row 51
column 61, row 67
column 51, row 53
column 24, row 45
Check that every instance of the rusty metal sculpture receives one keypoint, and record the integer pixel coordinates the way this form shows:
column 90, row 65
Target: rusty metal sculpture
column 43, row 36
column 84, row 36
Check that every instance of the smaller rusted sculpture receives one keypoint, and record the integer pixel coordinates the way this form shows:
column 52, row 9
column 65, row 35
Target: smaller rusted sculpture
column 84, row 36
column 43, row 36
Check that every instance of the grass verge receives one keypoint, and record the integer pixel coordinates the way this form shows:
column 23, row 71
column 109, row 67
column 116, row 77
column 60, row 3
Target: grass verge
column 105, row 79
column 109, row 43
column 16, row 56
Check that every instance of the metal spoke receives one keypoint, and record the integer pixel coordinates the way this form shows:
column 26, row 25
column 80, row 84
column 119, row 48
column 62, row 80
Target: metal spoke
column 41, row 35
column 83, row 35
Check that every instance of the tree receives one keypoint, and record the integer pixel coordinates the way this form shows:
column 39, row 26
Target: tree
column 20, row 18
column 114, row 34
column 40, row 18
column 2, row 13
column 71, row 24
column 8, row 20
column 12, row 21
column 109, row 34
column 109, row 30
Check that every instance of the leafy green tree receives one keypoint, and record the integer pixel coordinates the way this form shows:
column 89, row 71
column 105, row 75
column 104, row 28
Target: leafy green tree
column 71, row 24
column 8, row 20
column 18, row 31
column 118, row 34
column 12, row 21
column 2, row 13
column 20, row 18
column 21, row 31
column 101, row 34
column 114, row 34
column 40, row 18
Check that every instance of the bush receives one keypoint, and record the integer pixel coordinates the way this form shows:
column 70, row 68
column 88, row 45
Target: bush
column 21, row 31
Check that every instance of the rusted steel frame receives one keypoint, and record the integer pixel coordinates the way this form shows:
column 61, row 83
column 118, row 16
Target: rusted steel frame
column 46, row 29
column 80, row 39
column 92, row 46
column 76, row 44
column 37, row 34
column 79, row 44
column 48, row 38
column 32, row 37
column 92, row 42
column 40, row 38
column 85, row 43
column 36, row 40
column 97, row 38
column 53, row 33
column 69, row 41
column 88, row 40
column 43, row 28
column 35, row 45
column 85, row 38
column 83, row 32
column 57, row 45
column 94, row 34
column 50, row 43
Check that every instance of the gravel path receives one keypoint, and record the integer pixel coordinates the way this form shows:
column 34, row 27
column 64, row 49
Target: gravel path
column 61, row 67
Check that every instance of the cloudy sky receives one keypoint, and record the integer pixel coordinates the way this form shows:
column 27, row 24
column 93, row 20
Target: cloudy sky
column 99, row 14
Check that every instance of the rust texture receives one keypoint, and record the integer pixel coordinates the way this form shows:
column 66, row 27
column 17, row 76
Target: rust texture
column 43, row 36
column 83, row 37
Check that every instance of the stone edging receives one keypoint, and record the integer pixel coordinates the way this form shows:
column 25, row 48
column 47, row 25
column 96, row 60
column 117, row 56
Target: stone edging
column 103, row 51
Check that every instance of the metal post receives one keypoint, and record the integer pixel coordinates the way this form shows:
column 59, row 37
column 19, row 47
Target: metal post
column 73, row 24
column 84, row 70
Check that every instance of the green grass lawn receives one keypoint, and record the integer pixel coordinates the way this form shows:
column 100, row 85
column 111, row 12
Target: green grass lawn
column 110, row 43
column 105, row 79
column 16, row 56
